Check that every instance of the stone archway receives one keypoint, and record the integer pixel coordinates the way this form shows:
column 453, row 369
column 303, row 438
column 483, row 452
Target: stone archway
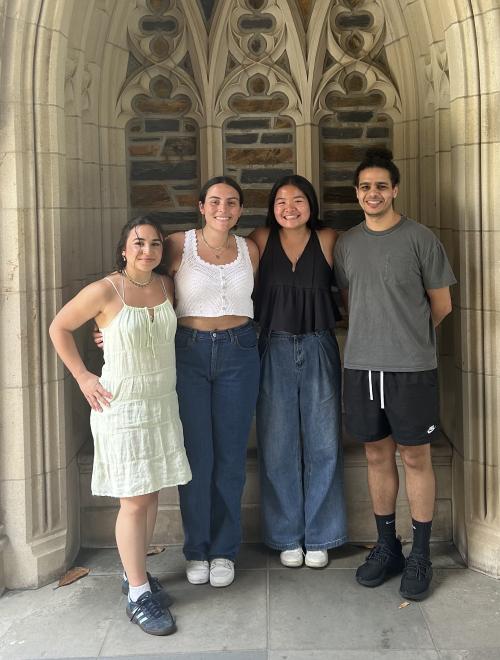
column 63, row 196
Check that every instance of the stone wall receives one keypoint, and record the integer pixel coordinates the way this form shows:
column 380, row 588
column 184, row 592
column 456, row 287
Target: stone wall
column 357, row 121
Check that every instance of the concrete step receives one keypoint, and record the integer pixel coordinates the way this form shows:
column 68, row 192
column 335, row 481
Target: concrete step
column 98, row 514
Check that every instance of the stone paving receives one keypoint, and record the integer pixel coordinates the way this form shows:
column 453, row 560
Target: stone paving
column 269, row 612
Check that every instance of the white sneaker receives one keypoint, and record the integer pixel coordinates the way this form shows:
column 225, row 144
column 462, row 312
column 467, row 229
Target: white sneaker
column 292, row 558
column 316, row 558
column 221, row 572
column 197, row 572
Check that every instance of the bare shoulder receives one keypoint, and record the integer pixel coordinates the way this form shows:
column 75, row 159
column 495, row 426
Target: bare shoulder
column 174, row 247
column 327, row 236
column 260, row 237
column 103, row 289
column 175, row 241
column 254, row 253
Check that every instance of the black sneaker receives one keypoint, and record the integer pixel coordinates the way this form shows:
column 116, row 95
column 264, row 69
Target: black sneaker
column 163, row 598
column 381, row 563
column 416, row 577
column 149, row 616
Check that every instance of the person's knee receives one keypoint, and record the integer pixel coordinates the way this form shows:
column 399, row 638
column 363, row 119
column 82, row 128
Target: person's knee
column 138, row 505
column 417, row 458
column 380, row 454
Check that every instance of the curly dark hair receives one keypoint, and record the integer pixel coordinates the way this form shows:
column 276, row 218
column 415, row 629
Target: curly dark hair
column 139, row 221
column 378, row 157
column 305, row 187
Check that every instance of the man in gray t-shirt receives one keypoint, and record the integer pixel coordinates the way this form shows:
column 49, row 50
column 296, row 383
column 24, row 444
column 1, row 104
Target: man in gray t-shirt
column 394, row 278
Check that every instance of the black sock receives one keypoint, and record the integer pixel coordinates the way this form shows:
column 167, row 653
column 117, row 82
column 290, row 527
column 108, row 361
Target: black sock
column 386, row 528
column 421, row 537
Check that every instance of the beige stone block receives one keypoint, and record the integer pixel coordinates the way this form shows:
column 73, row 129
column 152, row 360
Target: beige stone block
column 483, row 549
column 481, row 401
column 490, row 154
column 480, row 352
column 465, row 120
column 443, row 125
column 452, row 12
column 51, row 67
column 415, row 15
column 488, row 28
column 11, row 188
column 72, row 140
column 13, row 346
column 18, row 38
column 96, row 38
column 22, row 12
column 461, row 39
column 470, row 267
column 115, row 151
column 467, row 199
column 11, row 247
column 490, row 121
column 90, row 181
column 16, row 125
column 459, row 512
column 90, row 143
column 50, row 134
column 52, row 180
column 434, row 19
column 114, row 187
column 14, row 428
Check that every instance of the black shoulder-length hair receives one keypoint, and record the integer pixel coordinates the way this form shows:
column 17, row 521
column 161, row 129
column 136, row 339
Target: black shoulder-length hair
column 132, row 224
column 306, row 188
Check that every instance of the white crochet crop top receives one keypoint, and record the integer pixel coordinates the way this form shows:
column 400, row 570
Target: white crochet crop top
column 210, row 290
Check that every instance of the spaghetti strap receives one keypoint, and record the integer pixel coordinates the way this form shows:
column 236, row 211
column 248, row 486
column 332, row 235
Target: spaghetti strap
column 163, row 287
column 122, row 297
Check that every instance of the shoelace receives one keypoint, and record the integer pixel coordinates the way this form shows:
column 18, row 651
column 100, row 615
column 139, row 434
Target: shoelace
column 147, row 606
column 417, row 566
column 221, row 563
column 379, row 553
column 154, row 583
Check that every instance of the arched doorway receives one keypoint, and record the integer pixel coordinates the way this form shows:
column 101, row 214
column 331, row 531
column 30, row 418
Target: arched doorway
column 73, row 75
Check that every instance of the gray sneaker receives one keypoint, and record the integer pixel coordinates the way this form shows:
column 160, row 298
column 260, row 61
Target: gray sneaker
column 149, row 616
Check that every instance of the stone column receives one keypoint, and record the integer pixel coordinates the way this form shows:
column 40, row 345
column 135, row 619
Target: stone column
column 475, row 96
column 37, row 499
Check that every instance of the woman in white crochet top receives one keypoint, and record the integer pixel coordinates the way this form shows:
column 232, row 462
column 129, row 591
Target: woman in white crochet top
column 217, row 376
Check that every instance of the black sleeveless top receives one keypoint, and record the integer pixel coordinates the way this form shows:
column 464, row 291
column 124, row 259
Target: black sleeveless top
column 297, row 301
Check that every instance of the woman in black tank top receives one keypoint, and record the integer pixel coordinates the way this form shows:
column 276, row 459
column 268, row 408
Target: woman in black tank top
column 298, row 411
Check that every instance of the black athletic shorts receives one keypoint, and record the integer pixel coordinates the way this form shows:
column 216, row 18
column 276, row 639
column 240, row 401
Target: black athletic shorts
column 406, row 407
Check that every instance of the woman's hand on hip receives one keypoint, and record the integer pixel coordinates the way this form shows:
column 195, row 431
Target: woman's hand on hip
column 93, row 391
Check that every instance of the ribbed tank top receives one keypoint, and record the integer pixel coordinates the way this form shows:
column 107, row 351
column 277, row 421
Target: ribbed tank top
column 296, row 301
column 211, row 290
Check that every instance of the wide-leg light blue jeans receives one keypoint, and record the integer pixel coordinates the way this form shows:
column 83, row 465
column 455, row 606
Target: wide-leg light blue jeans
column 217, row 385
column 300, row 441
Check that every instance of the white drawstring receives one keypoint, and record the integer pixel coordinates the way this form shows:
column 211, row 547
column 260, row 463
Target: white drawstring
column 382, row 401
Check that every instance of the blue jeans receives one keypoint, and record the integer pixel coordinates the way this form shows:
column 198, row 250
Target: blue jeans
column 300, row 441
column 217, row 385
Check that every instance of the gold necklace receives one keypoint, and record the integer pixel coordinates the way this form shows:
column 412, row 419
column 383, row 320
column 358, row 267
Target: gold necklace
column 217, row 250
column 135, row 283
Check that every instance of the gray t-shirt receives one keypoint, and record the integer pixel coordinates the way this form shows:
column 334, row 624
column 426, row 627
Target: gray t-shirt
column 387, row 274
